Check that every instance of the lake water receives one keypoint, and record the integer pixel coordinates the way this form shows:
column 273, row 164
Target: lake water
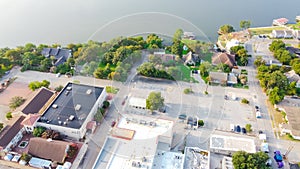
column 66, row 21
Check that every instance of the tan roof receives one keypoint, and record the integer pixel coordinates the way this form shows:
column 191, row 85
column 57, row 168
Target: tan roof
column 122, row 133
column 7, row 135
column 30, row 119
column 52, row 150
column 218, row 76
column 292, row 109
column 225, row 58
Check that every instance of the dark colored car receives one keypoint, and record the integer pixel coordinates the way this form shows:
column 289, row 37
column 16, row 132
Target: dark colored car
column 226, row 97
column 182, row 116
column 195, row 122
column 238, row 128
column 190, row 120
column 113, row 123
column 260, row 132
column 244, row 130
column 256, row 108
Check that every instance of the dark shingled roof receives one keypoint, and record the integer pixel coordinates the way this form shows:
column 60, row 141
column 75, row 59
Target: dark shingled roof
column 61, row 55
column 53, row 150
column 38, row 101
column 7, row 135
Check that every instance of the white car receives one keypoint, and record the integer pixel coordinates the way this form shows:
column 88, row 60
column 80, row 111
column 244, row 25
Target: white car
column 258, row 114
column 264, row 147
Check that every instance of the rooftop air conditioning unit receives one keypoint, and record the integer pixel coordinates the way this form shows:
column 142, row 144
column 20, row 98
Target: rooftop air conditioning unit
column 77, row 107
column 59, row 122
column 89, row 91
column 71, row 117
column 65, row 123
column 54, row 106
column 69, row 88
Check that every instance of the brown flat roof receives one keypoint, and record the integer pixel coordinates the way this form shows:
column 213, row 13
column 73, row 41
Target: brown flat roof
column 38, row 101
column 122, row 133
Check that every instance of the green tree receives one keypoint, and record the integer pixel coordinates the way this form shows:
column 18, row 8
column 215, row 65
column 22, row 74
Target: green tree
column 223, row 67
column 38, row 131
column 155, row 59
column 248, row 127
column 154, row 101
column 177, row 48
column 275, row 95
column 259, row 61
column 8, row 115
column 58, row 88
column 188, row 91
column 244, row 160
column 46, row 64
column 245, row 101
column 153, row 41
column 29, row 47
column 105, row 104
column 205, row 68
column 200, row 123
column 178, row 35
column 245, row 24
column 224, row 29
column 276, row 45
column 278, row 79
column 36, row 84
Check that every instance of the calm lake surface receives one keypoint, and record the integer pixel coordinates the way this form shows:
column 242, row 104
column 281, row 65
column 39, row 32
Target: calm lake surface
column 74, row 21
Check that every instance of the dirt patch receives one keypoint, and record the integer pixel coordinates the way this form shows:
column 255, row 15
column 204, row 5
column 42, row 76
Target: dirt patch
column 15, row 89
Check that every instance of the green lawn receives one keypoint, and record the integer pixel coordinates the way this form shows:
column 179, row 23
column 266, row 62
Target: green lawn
column 207, row 57
column 188, row 41
column 186, row 73
column 264, row 30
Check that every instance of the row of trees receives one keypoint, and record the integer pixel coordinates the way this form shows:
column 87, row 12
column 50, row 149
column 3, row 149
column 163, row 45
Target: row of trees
column 149, row 70
column 244, row 160
column 275, row 83
column 36, row 84
column 241, row 55
column 225, row 29
column 278, row 47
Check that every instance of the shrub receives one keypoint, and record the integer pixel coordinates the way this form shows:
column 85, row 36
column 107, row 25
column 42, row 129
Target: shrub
column 206, row 92
column 26, row 157
column 8, row 115
column 248, row 127
column 200, row 123
column 58, row 88
column 245, row 101
column 1, row 126
column 105, row 104
column 38, row 131
column 16, row 102
column 187, row 91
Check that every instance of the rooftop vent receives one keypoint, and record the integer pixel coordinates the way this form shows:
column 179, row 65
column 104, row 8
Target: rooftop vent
column 69, row 88
column 89, row 91
column 71, row 117
column 54, row 106
column 77, row 107
column 65, row 123
column 59, row 122
column 67, row 92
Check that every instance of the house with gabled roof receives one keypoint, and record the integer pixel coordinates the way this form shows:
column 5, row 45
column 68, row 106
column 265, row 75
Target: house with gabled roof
column 11, row 135
column 54, row 150
column 190, row 58
column 61, row 55
column 225, row 58
column 292, row 76
column 30, row 122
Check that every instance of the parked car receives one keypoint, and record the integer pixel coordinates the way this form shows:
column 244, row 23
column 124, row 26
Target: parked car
column 238, row 128
column 58, row 75
column 244, row 130
column 260, row 132
column 182, row 116
column 232, row 127
column 257, row 108
column 258, row 114
column 190, row 120
column 269, row 162
column 264, row 147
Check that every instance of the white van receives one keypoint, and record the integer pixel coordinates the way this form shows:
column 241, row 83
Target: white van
column 264, row 147
column 258, row 114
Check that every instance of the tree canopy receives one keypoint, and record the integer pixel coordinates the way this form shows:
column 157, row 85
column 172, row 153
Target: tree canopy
column 244, row 160
column 154, row 101
column 224, row 29
column 245, row 24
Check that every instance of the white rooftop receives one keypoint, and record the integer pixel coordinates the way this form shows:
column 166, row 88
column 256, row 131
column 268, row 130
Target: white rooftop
column 231, row 143
column 168, row 160
column 140, row 151
column 137, row 102
column 146, row 127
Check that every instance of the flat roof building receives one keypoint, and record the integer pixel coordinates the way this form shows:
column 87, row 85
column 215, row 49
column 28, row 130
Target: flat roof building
column 196, row 158
column 141, row 149
column 72, row 109
column 228, row 144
